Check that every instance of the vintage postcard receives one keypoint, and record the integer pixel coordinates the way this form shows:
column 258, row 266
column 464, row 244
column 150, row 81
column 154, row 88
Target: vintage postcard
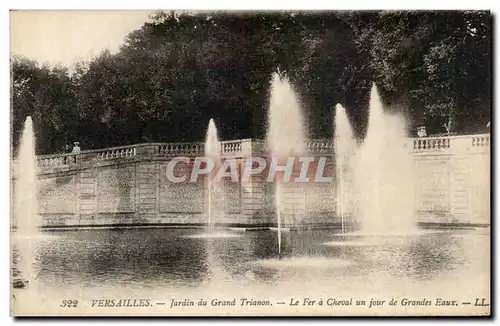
column 250, row 163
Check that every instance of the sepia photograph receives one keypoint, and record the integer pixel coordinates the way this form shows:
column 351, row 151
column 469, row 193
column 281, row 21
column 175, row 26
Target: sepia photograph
column 292, row 163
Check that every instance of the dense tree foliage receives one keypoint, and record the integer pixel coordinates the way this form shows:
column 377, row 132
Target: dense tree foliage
column 179, row 70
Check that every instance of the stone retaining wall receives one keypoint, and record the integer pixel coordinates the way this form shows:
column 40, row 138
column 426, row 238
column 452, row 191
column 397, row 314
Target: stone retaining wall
column 128, row 185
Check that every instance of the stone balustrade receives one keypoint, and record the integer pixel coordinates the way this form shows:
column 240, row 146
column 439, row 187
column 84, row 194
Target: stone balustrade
column 54, row 160
column 481, row 141
column 431, row 143
column 244, row 148
column 180, row 148
column 117, row 152
column 231, row 146
column 88, row 156
column 319, row 146
column 452, row 143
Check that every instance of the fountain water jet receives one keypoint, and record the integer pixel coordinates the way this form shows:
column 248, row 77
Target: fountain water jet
column 26, row 199
column 215, row 190
column 285, row 135
column 345, row 151
column 212, row 151
column 26, row 204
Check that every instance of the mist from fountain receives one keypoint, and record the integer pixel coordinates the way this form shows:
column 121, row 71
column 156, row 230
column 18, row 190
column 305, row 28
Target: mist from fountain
column 285, row 136
column 382, row 170
column 376, row 178
column 385, row 177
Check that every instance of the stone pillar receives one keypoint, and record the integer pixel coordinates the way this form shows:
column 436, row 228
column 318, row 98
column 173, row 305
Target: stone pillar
column 146, row 191
column 146, row 150
column 253, row 192
column 86, row 206
column 480, row 187
column 460, row 181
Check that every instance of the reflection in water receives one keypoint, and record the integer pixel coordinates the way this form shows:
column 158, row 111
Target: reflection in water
column 104, row 256
column 167, row 258
column 421, row 257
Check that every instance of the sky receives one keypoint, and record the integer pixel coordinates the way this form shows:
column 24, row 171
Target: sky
column 66, row 37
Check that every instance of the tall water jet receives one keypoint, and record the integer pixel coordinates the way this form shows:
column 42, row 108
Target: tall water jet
column 213, row 152
column 214, row 189
column 26, row 205
column 26, row 194
column 384, row 177
column 345, row 152
column 285, row 134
